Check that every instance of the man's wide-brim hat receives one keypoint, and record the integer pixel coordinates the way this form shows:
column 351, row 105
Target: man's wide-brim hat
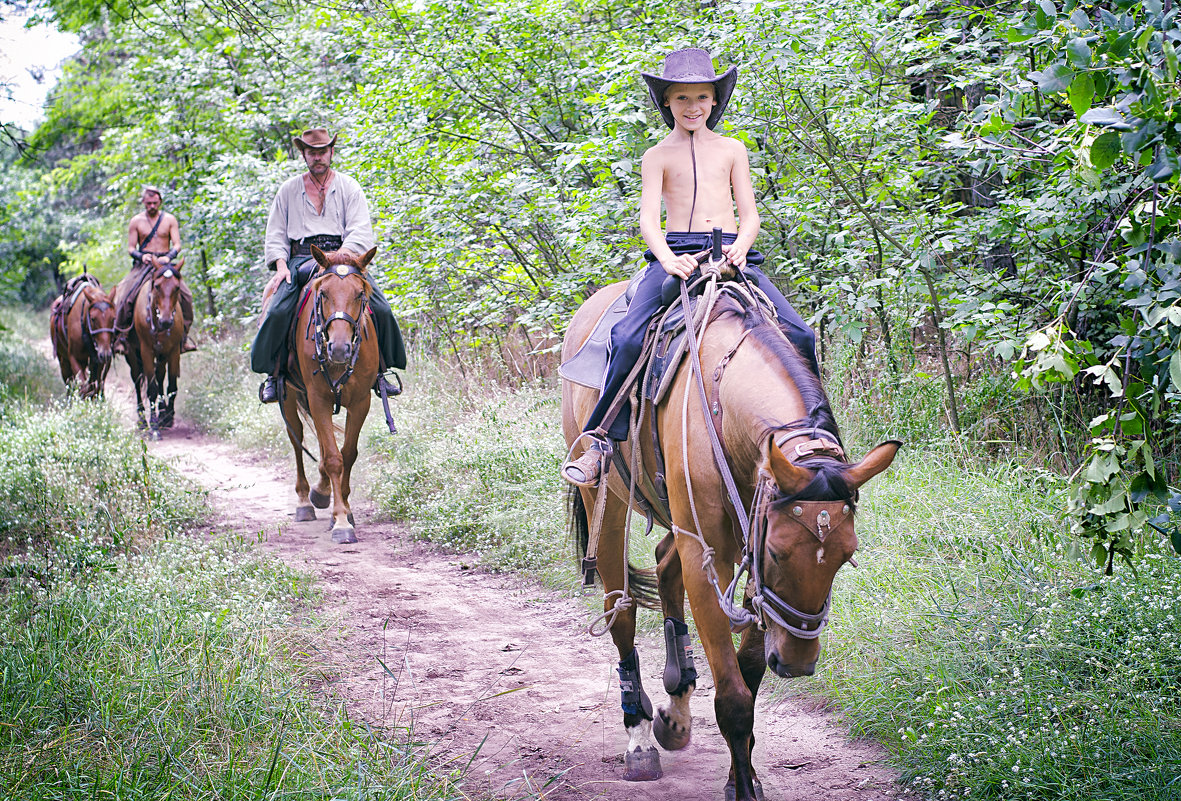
column 314, row 137
column 691, row 65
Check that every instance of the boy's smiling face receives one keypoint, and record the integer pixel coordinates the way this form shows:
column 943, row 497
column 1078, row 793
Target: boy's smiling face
column 691, row 104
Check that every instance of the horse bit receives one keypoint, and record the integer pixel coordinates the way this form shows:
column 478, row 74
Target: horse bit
column 321, row 329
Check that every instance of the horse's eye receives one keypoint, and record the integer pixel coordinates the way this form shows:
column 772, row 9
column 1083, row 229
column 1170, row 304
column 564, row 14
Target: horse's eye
column 774, row 556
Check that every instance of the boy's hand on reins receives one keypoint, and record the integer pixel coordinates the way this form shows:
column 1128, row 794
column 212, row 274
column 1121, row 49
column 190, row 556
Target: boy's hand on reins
column 681, row 266
column 735, row 254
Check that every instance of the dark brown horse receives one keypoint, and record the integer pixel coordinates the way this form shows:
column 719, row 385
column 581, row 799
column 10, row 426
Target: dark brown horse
column 333, row 365
column 82, row 327
column 759, row 481
column 154, row 343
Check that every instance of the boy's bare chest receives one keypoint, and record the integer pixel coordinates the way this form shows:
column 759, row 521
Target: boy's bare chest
column 706, row 166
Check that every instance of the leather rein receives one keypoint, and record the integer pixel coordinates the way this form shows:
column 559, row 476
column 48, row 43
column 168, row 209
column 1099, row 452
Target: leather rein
column 320, row 324
column 754, row 520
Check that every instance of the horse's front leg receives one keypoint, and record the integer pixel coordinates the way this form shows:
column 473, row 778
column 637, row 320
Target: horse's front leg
column 155, row 390
column 673, row 723
column 169, row 413
column 352, row 434
column 332, row 466
column 641, row 760
column 734, row 705
column 303, row 509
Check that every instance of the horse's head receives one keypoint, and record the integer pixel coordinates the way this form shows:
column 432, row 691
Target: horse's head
column 807, row 534
column 98, row 323
column 164, row 294
column 341, row 292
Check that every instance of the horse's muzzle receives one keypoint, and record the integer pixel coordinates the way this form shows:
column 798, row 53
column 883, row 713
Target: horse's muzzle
column 340, row 353
column 787, row 671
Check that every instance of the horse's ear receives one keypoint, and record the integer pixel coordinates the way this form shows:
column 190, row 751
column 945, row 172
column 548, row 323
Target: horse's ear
column 789, row 477
column 178, row 266
column 368, row 257
column 319, row 256
column 874, row 462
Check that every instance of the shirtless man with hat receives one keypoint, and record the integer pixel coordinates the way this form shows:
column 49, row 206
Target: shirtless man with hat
column 328, row 209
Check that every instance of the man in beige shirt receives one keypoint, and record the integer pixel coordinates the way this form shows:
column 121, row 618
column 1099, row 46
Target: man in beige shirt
column 325, row 208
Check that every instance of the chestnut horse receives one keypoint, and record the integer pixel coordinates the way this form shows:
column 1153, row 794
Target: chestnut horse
column 333, row 364
column 82, row 324
column 153, row 343
column 770, row 446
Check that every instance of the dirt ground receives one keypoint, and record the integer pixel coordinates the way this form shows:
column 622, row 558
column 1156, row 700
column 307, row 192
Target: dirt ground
column 495, row 671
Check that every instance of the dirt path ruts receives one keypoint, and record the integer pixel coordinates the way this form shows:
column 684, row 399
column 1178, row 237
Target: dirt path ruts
column 497, row 666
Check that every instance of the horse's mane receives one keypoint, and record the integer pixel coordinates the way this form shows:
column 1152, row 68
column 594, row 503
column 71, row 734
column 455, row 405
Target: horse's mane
column 829, row 482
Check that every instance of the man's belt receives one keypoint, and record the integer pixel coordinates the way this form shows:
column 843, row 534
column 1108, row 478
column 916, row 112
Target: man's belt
column 325, row 242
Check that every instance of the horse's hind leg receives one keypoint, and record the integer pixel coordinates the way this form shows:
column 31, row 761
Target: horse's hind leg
column 303, row 509
column 641, row 760
column 673, row 724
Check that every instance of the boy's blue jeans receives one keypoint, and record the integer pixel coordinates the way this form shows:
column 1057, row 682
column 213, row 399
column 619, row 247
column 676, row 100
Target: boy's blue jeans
column 627, row 335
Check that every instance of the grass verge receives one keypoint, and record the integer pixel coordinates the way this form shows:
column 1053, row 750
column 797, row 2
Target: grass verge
column 137, row 661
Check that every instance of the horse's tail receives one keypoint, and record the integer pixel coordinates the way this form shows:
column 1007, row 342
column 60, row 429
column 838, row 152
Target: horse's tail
column 641, row 582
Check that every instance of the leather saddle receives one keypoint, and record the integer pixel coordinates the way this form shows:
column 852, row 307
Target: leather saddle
column 588, row 366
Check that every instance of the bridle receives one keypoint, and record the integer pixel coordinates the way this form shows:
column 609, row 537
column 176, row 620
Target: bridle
column 820, row 443
column 320, row 325
column 88, row 332
column 167, row 271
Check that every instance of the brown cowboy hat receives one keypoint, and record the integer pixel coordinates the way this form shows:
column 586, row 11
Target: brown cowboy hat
column 691, row 65
column 314, row 137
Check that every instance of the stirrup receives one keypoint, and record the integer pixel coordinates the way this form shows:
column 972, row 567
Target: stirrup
column 586, row 469
column 268, row 392
column 391, row 390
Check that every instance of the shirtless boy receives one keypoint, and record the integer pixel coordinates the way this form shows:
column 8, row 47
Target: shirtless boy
column 155, row 232
column 700, row 176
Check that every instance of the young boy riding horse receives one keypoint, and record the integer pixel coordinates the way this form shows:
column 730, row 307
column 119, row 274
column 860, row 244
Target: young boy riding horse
column 700, row 176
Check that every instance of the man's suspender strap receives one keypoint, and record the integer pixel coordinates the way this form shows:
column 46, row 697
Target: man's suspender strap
column 156, row 227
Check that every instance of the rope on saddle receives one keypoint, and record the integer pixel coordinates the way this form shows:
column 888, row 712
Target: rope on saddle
column 740, row 618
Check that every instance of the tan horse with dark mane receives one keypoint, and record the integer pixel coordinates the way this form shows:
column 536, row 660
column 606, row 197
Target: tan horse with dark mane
column 82, row 327
column 759, row 481
column 154, row 343
column 332, row 365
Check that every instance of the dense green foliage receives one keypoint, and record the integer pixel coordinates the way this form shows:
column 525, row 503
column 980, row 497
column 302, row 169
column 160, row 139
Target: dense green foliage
column 961, row 192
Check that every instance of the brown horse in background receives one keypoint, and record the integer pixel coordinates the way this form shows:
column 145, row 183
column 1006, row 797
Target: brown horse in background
column 154, row 343
column 82, row 325
column 776, row 434
column 333, row 364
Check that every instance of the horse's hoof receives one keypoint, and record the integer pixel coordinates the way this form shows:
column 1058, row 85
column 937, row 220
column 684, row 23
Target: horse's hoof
column 731, row 794
column 642, row 765
column 318, row 500
column 670, row 737
column 344, row 535
column 304, row 514
column 154, row 435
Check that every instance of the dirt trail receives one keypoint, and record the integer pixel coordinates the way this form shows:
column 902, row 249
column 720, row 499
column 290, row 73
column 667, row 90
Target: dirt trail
column 497, row 666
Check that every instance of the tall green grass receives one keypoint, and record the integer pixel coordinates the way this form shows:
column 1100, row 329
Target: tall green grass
column 138, row 661
column 979, row 645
